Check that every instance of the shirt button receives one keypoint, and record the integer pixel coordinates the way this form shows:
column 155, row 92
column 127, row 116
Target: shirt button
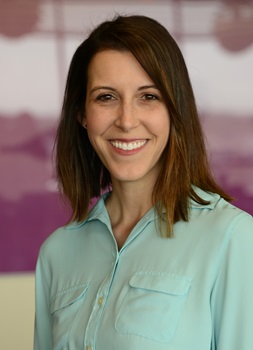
column 88, row 347
column 100, row 301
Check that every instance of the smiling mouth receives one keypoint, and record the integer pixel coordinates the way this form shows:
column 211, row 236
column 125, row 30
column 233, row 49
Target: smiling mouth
column 128, row 146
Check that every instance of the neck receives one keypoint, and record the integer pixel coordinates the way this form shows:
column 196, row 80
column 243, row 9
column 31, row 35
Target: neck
column 130, row 200
column 126, row 206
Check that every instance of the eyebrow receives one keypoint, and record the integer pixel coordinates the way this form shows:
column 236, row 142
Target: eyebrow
column 102, row 88
column 147, row 87
column 144, row 87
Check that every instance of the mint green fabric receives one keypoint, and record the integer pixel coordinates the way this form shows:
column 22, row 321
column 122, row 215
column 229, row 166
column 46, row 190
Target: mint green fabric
column 191, row 292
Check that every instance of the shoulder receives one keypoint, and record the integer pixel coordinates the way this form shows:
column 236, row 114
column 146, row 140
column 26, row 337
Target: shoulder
column 222, row 217
column 216, row 204
column 63, row 238
column 68, row 239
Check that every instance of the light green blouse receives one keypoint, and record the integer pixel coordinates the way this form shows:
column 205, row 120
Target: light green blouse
column 190, row 292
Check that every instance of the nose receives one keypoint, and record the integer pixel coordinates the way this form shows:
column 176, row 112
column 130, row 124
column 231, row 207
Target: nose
column 127, row 117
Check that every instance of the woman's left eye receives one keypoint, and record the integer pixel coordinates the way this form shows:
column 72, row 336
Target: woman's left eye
column 150, row 97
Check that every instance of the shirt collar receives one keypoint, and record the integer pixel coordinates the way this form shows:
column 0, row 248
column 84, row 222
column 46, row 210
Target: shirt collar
column 99, row 211
column 212, row 198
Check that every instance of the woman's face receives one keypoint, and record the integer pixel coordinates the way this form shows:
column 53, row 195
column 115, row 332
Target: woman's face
column 127, row 120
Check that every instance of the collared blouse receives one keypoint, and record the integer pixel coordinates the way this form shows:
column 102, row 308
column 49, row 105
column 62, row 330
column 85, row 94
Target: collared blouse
column 190, row 292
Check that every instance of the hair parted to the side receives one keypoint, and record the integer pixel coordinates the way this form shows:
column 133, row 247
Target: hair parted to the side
column 80, row 173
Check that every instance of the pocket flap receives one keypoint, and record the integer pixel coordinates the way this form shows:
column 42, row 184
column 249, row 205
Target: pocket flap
column 68, row 297
column 161, row 282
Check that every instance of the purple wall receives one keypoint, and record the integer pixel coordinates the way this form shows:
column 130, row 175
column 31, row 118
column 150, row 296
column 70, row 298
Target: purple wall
column 30, row 206
column 36, row 44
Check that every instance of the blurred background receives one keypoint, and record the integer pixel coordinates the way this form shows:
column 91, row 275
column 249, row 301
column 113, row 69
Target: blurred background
column 37, row 40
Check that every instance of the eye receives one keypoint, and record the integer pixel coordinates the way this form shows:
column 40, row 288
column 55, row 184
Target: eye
column 105, row 97
column 150, row 97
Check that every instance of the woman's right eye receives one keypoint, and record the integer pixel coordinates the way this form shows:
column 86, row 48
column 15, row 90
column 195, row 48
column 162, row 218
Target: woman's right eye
column 105, row 97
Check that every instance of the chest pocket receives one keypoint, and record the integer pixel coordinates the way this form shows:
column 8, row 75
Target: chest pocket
column 153, row 305
column 65, row 307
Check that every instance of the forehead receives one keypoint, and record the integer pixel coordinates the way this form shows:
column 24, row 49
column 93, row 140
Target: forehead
column 116, row 65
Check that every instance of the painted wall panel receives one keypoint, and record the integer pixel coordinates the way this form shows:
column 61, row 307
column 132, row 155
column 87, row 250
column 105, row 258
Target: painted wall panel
column 33, row 64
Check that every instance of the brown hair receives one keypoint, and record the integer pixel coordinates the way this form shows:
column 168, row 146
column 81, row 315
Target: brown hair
column 81, row 174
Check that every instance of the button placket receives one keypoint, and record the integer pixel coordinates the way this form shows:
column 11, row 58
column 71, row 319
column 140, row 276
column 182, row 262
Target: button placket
column 99, row 306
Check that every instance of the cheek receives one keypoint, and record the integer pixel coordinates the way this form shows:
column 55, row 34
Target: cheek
column 94, row 121
column 97, row 119
column 95, row 130
column 163, row 130
column 162, row 124
column 166, row 121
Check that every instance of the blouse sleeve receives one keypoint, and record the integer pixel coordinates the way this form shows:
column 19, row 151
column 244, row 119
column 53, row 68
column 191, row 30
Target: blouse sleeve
column 232, row 296
column 43, row 328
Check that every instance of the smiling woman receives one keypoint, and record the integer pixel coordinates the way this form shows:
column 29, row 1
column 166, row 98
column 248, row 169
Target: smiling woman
column 125, row 115
column 156, row 264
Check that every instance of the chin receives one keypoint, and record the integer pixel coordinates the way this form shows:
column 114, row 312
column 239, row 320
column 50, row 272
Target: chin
column 130, row 176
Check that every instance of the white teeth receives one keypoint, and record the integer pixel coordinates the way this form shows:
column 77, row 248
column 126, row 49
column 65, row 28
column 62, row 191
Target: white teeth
column 128, row 146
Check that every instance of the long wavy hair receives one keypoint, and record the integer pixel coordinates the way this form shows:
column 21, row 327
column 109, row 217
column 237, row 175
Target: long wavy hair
column 81, row 174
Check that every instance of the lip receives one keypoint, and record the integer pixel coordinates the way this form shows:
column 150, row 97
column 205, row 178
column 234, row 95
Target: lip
column 128, row 146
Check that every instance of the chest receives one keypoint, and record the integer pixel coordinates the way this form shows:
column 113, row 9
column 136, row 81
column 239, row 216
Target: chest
column 144, row 296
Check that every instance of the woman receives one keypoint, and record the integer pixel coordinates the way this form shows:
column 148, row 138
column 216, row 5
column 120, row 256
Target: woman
column 162, row 261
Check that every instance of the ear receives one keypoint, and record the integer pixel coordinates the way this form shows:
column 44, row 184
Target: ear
column 82, row 120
